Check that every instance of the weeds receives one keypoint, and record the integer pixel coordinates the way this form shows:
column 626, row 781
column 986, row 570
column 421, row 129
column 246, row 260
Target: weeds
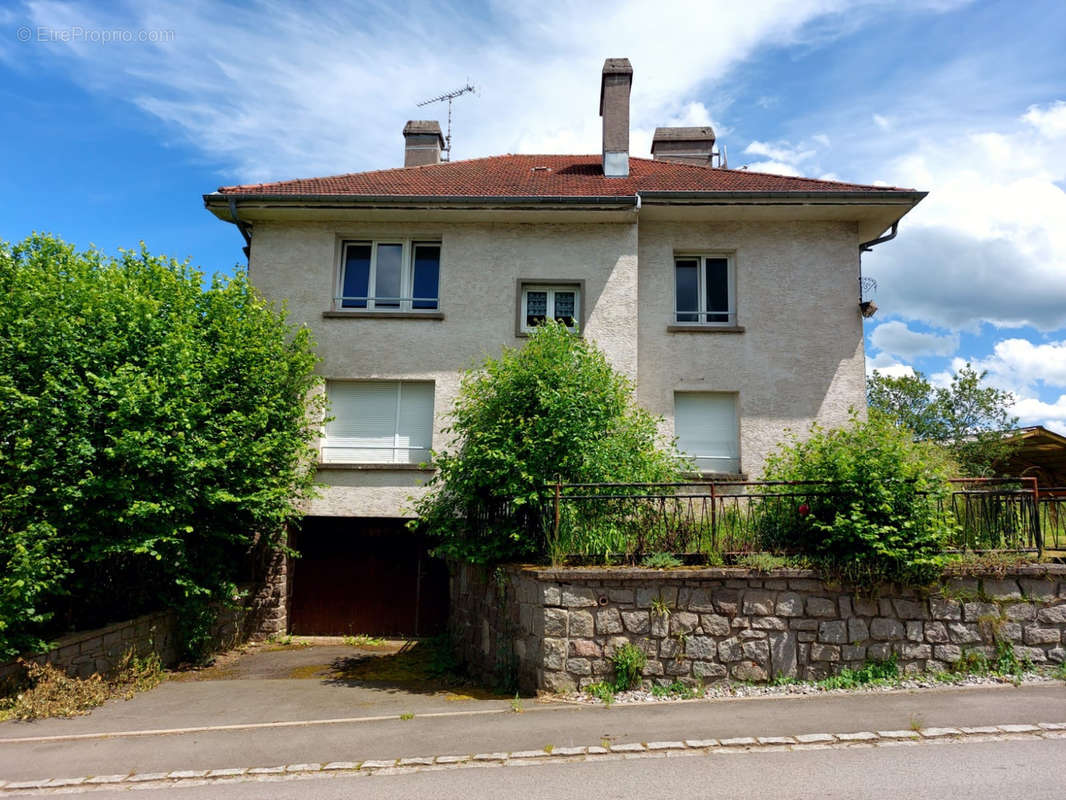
column 675, row 689
column 50, row 692
column 661, row 561
column 548, row 748
column 660, row 607
column 363, row 640
column 629, row 662
column 602, row 691
column 516, row 704
column 872, row 673
column 917, row 723
column 406, row 716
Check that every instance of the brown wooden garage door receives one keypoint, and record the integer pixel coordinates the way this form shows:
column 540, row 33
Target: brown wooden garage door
column 366, row 576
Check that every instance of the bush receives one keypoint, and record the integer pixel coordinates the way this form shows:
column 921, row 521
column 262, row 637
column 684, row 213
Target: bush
column 553, row 409
column 880, row 520
column 154, row 437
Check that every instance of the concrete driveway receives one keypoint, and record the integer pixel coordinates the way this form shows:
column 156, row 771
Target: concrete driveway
column 307, row 679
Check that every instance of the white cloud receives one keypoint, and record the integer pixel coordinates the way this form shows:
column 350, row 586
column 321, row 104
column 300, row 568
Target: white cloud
column 1020, row 366
column 1050, row 121
column 887, row 365
column 882, row 122
column 272, row 91
column 780, row 151
column 988, row 244
column 896, row 339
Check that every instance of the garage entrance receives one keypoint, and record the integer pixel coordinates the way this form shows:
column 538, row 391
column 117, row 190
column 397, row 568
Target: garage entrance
column 369, row 576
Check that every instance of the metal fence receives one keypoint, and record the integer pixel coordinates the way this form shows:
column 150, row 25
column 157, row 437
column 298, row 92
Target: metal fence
column 736, row 517
column 1052, row 505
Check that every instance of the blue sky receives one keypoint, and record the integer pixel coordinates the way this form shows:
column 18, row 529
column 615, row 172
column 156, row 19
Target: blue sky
column 116, row 117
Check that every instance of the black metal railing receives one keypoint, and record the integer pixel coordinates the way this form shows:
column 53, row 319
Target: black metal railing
column 736, row 517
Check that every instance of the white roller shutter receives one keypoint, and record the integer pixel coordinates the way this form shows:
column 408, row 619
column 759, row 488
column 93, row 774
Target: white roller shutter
column 706, row 427
column 378, row 422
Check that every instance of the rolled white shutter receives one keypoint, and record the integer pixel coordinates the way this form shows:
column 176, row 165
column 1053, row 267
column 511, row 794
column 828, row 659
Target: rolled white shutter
column 706, row 427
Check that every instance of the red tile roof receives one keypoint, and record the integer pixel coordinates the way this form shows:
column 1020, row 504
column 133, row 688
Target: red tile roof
column 545, row 176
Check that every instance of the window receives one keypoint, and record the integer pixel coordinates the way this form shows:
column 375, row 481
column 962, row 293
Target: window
column 705, row 424
column 379, row 422
column 539, row 302
column 703, row 290
column 390, row 276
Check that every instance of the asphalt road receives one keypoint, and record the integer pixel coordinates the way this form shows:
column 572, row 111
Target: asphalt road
column 1026, row 770
column 484, row 730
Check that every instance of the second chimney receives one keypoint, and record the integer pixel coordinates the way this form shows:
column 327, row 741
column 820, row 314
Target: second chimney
column 615, row 84
column 684, row 145
column 423, row 142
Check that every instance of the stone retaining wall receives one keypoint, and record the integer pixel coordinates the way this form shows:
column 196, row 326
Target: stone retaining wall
column 556, row 629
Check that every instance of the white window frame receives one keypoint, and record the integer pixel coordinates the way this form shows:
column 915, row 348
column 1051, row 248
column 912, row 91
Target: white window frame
column 701, row 290
column 551, row 289
column 730, row 465
column 397, row 448
column 407, row 277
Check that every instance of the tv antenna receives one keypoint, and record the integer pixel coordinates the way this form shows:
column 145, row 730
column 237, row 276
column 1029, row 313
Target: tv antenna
column 449, row 96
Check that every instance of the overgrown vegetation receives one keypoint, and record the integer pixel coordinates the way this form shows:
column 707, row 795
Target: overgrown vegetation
column 154, row 438
column 661, row 561
column 882, row 520
column 552, row 410
column 967, row 418
column 49, row 692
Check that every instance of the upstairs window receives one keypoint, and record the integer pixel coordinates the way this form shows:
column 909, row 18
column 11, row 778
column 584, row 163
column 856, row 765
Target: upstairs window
column 540, row 302
column 703, row 290
column 379, row 422
column 390, row 276
column 705, row 424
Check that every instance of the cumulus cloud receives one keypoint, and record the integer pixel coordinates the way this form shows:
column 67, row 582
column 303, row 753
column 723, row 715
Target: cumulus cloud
column 897, row 339
column 1020, row 366
column 1050, row 121
column 271, row 91
column 988, row 244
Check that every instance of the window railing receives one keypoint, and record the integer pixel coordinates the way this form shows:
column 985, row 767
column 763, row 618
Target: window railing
column 388, row 303
column 705, row 318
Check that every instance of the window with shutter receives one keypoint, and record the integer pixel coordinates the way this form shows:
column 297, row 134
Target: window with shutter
column 379, row 422
column 705, row 424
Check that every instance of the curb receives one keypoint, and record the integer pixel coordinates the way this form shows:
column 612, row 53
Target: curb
column 806, row 741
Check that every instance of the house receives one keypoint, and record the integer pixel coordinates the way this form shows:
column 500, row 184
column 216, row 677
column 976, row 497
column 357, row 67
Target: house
column 730, row 297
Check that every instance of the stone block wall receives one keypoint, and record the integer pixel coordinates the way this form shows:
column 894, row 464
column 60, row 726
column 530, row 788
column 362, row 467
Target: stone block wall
column 560, row 627
column 101, row 650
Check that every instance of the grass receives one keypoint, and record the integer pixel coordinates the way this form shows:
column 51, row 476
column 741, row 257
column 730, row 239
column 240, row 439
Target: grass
column 407, row 716
column 50, row 692
column 363, row 640
column 675, row 689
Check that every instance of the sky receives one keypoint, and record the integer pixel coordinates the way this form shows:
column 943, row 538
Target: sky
column 115, row 117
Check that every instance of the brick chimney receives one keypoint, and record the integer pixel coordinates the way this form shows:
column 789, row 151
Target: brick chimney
column 683, row 145
column 615, row 84
column 423, row 142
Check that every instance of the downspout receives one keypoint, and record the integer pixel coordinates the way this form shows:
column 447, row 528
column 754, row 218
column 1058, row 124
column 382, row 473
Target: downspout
column 243, row 227
column 868, row 307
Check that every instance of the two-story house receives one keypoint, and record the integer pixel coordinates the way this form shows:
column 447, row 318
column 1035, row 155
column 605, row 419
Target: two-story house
column 730, row 297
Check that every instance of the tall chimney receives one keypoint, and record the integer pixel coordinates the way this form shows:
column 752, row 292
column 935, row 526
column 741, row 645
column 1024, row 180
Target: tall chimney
column 423, row 142
column 614, row 108
column 684, row 145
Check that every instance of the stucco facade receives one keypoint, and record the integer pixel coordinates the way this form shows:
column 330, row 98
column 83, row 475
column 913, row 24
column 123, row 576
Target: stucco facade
column 798, row 358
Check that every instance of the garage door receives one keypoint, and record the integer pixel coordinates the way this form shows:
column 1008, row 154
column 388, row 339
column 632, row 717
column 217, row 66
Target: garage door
column 366, row 576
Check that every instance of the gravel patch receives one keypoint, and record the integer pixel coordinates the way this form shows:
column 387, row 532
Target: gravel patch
column 733, row 690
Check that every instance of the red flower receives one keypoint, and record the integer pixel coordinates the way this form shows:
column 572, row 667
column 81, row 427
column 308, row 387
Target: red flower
column 804, row 509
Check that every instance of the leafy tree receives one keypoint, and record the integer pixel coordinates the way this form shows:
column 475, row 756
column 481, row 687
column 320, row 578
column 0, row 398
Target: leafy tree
column 154, row 437
column 552, row 409
column 968, row 418
column 878, row 518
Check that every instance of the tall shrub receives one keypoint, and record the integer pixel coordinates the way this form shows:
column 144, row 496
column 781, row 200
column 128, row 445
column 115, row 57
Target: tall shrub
column 880, row 514
column 153, row 435
column 553, row 409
